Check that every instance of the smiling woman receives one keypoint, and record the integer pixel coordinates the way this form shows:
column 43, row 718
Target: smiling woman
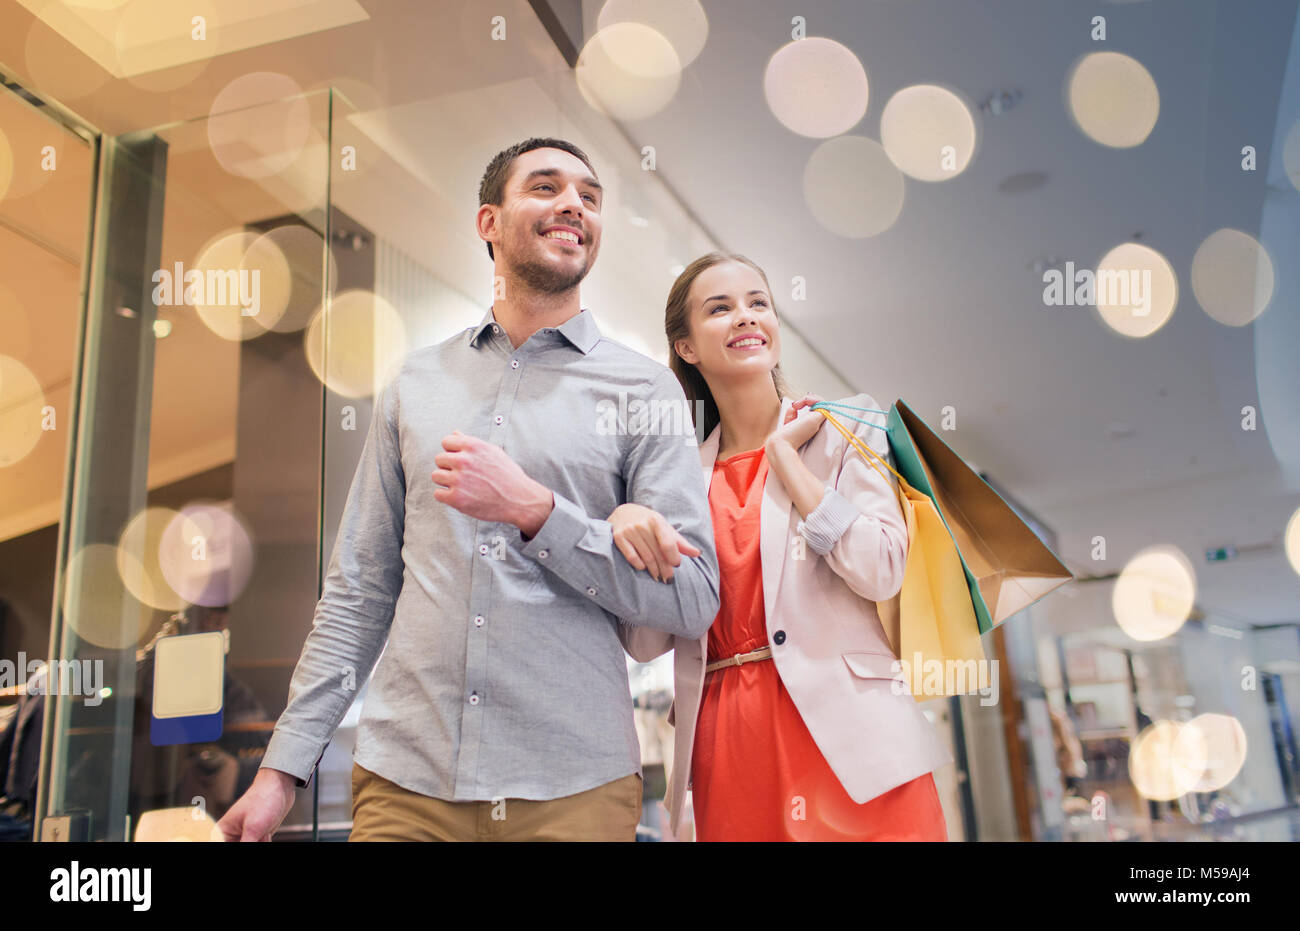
column 804, row 739
column 678, row 324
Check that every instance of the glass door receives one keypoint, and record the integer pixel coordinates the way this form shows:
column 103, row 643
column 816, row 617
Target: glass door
column 190, row 564
column 47, row 180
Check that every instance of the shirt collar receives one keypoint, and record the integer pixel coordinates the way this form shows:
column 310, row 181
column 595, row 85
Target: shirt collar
column 580, row 330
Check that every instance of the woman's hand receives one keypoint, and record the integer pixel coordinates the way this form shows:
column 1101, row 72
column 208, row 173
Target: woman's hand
column 799, row 429
column 648, row 541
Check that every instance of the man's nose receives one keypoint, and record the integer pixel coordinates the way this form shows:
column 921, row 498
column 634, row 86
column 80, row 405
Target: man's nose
column 570, row 201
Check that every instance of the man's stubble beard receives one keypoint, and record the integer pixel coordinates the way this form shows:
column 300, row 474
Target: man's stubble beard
column 545, row 278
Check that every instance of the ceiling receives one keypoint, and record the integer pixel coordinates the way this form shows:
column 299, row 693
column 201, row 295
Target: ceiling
column 944, row 307
column 1138, row 441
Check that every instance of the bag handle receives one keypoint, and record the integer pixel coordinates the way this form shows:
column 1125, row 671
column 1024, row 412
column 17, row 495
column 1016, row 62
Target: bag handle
column 863, row 449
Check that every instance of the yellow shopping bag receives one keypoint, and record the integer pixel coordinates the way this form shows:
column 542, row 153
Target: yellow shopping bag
column 931, row 622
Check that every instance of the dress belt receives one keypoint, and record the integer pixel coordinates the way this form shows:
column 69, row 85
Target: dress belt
column 752, row 656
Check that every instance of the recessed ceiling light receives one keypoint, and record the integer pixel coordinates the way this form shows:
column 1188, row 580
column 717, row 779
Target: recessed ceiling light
column 1024, row 181
column 999, row 102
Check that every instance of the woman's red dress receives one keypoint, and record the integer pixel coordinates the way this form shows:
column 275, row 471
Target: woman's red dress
column 756, row 772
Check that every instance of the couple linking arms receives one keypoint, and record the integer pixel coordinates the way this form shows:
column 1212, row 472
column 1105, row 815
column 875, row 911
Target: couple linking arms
column 470, row 574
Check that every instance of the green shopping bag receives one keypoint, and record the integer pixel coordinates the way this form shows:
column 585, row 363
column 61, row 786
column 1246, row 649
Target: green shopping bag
column 1007, row 566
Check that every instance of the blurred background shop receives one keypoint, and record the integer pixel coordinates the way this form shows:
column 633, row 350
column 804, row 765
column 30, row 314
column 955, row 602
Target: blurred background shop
column 912, row 176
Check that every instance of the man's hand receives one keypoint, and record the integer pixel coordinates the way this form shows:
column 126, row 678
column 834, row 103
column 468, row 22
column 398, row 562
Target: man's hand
column 478, row 478
column 261, row 809
column 648, row 541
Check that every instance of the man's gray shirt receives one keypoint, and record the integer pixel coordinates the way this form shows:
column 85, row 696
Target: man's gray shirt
column 503, row 674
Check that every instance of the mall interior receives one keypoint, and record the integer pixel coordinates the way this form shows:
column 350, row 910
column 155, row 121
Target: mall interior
column 912, row 177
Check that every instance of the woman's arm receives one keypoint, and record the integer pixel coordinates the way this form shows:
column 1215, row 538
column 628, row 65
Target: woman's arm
column 856, row 523
column 782, row 450
column 648, row 543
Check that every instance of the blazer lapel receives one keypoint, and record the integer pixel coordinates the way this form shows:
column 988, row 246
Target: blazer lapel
column 773, row 531
column 709, row 455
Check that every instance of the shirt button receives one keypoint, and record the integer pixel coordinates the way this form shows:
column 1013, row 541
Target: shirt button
column 592, row 592
column 542, row 554
column 495, row 328
column 482, row 549
column 498, row 420
column 478, row 620
column 514, row 363
column 779, row 637
column 473, row 698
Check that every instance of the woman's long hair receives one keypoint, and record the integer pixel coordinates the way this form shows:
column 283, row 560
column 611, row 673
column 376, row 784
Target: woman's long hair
column 677, row 325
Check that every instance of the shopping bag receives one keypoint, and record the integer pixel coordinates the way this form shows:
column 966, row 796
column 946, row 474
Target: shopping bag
column 1007, row 566
column 931, row 622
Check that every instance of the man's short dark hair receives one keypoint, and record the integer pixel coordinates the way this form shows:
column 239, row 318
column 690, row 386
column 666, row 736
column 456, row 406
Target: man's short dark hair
column 492, row 188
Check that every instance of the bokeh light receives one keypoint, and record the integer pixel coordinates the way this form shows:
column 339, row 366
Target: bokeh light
column 98, row 5
column 1291, row 155
column 206, row 554
column 852, row 187
column 1225, row 745
column 355, row 347
column 303, row 186
column 6, row 165
column 170, row 825
column 928, row 132
column 21, row 401
column 258, row 124
column 682, row 22
column 138, row 563
column 1291, row 541
column 628, row 71
column 231, row 290
column 155, row 42
column 96, row 603
column 1137, row 290
column 1154, row 593
column 289, row 259
column 816, row 87
column 1232, row 277
column 1167, row 760
column 1113, row 99
column 31, row 152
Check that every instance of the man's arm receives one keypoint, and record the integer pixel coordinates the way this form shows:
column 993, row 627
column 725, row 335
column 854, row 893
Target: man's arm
column 663, row 473
column 355, row 610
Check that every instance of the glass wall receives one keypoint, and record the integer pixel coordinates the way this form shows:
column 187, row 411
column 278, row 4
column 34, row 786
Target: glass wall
column 195, row 499
column 47, row 180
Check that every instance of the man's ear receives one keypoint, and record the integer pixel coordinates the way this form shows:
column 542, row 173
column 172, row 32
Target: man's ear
column 486, row 223
column 684, row 349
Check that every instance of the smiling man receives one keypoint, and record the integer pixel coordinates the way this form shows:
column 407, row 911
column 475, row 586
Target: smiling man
column 473, row 545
